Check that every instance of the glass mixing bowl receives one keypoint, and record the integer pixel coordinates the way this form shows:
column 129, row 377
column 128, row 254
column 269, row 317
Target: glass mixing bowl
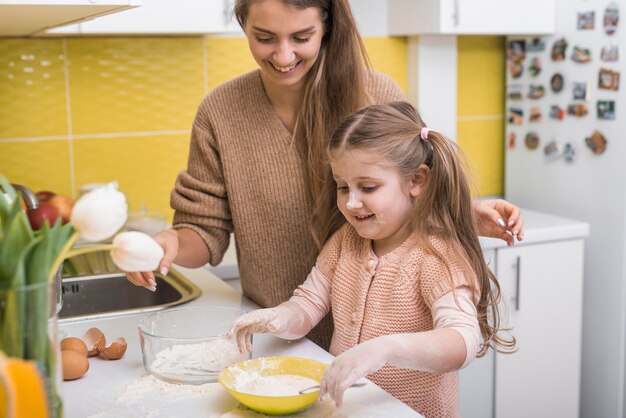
column 188, row 345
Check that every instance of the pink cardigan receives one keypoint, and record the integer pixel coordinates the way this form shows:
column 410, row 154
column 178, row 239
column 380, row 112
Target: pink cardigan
column 394, row 294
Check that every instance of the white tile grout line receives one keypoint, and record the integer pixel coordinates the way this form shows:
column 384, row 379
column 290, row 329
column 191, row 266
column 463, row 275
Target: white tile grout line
column 69, row 118
column 472, row 118
column 99, row 135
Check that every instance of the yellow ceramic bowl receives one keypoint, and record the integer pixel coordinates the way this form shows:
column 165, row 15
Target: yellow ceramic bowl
column 267, row 366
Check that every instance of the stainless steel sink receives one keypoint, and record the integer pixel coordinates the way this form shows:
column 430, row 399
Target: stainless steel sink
column 94, row 288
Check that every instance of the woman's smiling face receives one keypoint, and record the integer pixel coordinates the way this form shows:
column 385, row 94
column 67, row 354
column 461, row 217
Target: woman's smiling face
column 285, row 41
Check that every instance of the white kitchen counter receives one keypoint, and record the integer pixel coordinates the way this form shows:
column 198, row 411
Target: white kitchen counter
column 103, row 391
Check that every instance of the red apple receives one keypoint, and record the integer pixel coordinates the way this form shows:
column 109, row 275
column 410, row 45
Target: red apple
column 64, row 205
column 45, row 212
column 44, row 195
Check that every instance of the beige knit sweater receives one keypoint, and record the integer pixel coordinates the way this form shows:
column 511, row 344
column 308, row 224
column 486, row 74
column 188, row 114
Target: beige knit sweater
column 392, row 294
column 244, row 175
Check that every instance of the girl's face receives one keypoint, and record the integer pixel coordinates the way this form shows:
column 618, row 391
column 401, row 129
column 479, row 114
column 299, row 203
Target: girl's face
column 374, row 198
column 284, row 41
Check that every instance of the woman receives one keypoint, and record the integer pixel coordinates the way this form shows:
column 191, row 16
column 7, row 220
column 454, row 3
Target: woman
column 257, row 145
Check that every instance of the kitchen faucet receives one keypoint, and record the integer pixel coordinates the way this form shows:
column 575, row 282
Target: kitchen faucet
column 30, row 200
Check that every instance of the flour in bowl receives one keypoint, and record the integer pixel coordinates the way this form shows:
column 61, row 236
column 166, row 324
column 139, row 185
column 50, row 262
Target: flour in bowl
column 253, row 383
column 214, row 356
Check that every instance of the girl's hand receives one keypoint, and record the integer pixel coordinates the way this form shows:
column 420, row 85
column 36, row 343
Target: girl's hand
column 168, row 240
column 498, row 219
column 272, row 320
column 353, row 364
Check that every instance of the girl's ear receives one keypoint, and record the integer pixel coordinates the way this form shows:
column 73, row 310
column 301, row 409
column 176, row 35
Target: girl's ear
column 419, row 180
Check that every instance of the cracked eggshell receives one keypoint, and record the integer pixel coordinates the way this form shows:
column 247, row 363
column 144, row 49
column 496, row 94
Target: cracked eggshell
column 114, row 351
column 95, row 340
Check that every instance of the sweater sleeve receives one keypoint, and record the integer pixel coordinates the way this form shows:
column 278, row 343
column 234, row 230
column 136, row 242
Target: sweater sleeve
column 199, row 197
column 329, row 256
column 313, row 296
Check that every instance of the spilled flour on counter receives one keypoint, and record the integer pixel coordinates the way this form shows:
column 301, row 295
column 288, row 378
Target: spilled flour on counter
column 139, row 390
column 213, row 355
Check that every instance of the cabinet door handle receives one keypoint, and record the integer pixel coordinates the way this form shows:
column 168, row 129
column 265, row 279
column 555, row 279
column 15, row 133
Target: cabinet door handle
column 455, row 16
column 517, row 280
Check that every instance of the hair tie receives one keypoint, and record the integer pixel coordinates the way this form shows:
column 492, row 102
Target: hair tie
column 424, row 133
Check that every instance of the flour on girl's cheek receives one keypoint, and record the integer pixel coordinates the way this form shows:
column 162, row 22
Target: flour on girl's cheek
column 380, row 219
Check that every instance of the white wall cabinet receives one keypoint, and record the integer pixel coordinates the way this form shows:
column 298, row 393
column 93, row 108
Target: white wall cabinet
column 30, row 17
column 182, row 17
column 542, row 288
column 471, row 17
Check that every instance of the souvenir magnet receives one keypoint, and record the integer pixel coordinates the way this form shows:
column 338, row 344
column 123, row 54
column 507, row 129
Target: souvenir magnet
column 556, row 112
column 581, row 91
column 531, row 140
column 577, row 109
column 606, row 109
column 586, row 20
column 516, row 52
column 558, row 50
column 609, row 53
column 535, row 114
column 569, row 152
column 536, row 91
column 608, row 79
column 596, row 142
column 536, row 45
column 556, row 82
column 510, row 140
column 514, row 92
column 581, row 55
column 611, row 18
column 516, row 116
column 552, row 151
column 535, row 67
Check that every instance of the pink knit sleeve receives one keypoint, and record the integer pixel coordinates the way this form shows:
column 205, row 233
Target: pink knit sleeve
column 313, row 296
column 329, row 256
column 459, row 315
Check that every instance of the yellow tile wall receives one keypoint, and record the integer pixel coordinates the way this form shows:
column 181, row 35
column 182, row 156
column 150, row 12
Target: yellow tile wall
column 82, row 110
column 481, row 109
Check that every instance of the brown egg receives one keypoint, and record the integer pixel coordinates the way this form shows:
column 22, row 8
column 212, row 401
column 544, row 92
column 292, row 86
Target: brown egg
column 74, row 344
column 115, row 351
column 95, row 340
column 74, row 364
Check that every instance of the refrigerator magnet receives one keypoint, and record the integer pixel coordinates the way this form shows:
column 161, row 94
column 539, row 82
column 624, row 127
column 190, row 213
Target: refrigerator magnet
column 581, row 91
column 611, row 18
column 581, row 55
column 535, row 67
column 516, row 116
column 531, row 140
column 577, row 109
column 569, row 152
column 552, row 150
column 516, row 53
column 514, row 92
column 586, row 20
column 557, row 112
column 609, row 53
column 558, row 50
column 535, row 114
column 606, row 109
column 536, row 45
column 556, row 82
column 510, row 140
column 596, row 142
column 536, row 91
column 608, row 79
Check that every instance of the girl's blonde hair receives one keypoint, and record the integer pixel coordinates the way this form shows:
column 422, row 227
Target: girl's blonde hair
column 443, row 209
column 334, row 87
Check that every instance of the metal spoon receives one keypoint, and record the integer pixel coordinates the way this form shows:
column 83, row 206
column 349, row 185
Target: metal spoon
column 316, row 387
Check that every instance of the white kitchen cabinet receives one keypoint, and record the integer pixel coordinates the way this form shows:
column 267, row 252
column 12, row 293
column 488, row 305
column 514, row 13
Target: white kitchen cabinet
column 471, row 17
column 182, row 17
column 542, row 293
column 31, row 17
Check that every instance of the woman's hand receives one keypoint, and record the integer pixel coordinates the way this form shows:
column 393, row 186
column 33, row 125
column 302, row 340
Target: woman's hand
column 271, row 320
column 498, row 219
column 168, row 240
column 353, row 364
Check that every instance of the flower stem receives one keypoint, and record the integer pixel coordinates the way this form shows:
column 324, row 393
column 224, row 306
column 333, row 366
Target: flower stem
column 61, row 256
column 89, row 249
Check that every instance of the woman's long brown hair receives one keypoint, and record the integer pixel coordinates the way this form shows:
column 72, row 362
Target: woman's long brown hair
column 334, row 87
column 443, row 209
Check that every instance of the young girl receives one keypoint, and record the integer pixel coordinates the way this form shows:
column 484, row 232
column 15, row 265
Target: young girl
column 405, row 277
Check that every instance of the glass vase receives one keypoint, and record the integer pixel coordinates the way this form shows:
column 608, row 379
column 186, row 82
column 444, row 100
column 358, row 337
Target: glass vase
column 28, row 330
